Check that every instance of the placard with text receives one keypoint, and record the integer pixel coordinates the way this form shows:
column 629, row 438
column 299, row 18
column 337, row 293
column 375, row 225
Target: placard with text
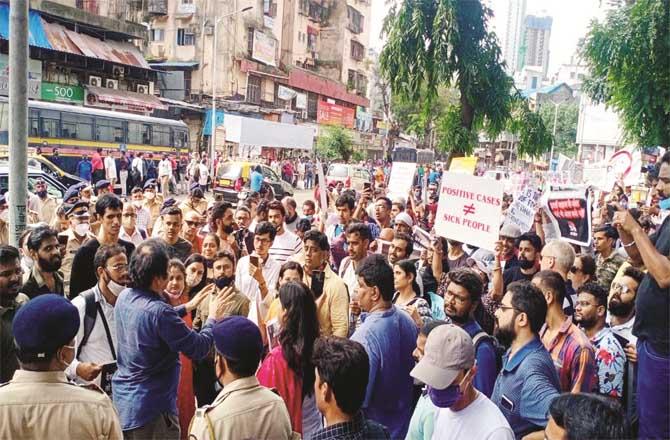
column 469, row 209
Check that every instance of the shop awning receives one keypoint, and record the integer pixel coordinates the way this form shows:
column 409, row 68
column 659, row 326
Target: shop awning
column 36, row 35
column 132, row 100
column 262, row 133
column 119, row 52
column 181, row 104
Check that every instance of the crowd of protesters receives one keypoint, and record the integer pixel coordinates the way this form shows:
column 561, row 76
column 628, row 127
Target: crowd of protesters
column 140, row 317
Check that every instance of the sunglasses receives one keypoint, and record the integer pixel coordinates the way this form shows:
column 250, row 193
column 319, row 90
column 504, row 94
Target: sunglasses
column 621, row 288
column 574, row 269
column 191, row 224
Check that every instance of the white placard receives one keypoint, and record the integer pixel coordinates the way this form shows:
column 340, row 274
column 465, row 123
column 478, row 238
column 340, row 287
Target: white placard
column 521, row 212
column 469, row 209
column 402, row 176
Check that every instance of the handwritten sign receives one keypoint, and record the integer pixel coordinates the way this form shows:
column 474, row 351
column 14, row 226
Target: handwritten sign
column 402, row 177
column 570, row 212
column 464, row 165
column 469, row 209
column 521, row 212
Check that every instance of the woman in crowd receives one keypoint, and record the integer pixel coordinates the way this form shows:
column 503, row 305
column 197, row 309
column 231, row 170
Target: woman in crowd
column 583, row 270
column 196, row 265
column 174, row 293
column 211, row 244
column 288, row 367
column 408, row 293
column 290, row 271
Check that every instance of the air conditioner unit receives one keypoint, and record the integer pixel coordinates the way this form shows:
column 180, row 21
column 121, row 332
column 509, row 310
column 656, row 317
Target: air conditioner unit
column 118, row 72
column 112, row 83
column 95, row 81
column 143, row 88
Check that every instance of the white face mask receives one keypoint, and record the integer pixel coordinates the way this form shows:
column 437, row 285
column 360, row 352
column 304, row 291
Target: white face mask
column 4, row 215
column 82, row 229
column 115, row 287
column 149, row 195
column 27, row 262
column 137, row 203
column 193, row 279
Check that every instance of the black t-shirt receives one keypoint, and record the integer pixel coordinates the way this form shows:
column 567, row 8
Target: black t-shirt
column 180, row 250
column 83, row 276
column 652, row 304
column 514, row 274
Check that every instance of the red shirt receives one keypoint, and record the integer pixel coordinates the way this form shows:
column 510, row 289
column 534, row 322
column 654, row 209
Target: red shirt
column 96, row 162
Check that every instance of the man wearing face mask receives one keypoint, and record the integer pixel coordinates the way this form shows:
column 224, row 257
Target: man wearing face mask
column 45, row 252
column 78, row 233
column 143, row 219
column 152, row 202
column 448, row 369
column 39, row 402
column 95, row 344
column 243, row 409
column 130, row 232
column 45, row 204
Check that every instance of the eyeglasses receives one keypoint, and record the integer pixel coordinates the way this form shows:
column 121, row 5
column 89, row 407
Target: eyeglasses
column 262, row 240
column 191, row 224
column 503, row 308
column 459, row 299
column 621, row 288
column 574, row 269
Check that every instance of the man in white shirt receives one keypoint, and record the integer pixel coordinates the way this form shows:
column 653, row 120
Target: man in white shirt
column 129, row 229
column 286, row 244
column 165, row 175
column 621, row 305
column 110, row 169
column 143, row 219
column 138, row 165
column 95, row 345
column 448, row 368
column 258, row 281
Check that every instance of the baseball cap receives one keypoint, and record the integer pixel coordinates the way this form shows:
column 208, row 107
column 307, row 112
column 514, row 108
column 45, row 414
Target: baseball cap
column 405, row 218
column 510, row 230
column 449, row 350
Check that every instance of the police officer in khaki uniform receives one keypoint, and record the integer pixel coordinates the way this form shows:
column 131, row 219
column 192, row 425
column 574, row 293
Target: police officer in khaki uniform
column 153, row 203
column 78, row 233
column 39, row 402
column 244, row 408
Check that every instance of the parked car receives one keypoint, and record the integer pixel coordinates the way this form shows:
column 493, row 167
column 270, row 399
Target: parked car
column 233, row 180
column 40, row 162
column 54, row 187
column 352, row 176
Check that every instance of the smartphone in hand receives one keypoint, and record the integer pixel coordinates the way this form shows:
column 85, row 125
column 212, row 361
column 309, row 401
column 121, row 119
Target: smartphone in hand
column 318, row 280
column 253, row 259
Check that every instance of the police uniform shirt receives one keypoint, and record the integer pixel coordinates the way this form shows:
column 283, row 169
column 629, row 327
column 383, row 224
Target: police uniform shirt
column 44, row 405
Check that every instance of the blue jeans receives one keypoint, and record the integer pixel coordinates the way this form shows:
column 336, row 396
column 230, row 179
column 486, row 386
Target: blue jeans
column 653, row 392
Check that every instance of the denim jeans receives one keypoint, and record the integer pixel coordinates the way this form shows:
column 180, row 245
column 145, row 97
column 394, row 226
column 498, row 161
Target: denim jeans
column 653, row 392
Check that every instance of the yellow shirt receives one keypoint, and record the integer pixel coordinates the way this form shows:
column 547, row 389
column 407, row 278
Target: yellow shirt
column 333, row 305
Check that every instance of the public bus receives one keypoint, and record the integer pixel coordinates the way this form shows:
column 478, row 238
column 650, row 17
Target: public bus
column 77, row 130
column 411, row 154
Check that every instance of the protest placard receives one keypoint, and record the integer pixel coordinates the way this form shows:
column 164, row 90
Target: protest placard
column 570, row 212
column 469, row 209
column 465, row 165
column 521, row 212
column 402, row 177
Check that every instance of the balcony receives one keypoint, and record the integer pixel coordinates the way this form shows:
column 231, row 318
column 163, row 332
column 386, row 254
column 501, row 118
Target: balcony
column 157, row 7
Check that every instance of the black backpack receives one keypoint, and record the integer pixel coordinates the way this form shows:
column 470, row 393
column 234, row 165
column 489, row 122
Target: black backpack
column 499, row 350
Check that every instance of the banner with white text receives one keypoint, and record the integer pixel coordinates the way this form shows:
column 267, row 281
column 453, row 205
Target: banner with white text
column 469, row 209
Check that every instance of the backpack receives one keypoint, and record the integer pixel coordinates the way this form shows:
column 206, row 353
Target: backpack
column 499, row 350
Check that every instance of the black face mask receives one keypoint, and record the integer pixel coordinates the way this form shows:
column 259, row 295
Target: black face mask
column 526, row 264
column 228, row 229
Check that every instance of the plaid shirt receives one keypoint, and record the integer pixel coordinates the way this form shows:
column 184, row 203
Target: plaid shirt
column 574, row 358
column 357, row 428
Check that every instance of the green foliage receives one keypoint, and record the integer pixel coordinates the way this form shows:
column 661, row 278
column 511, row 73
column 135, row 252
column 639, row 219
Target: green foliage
column 335, row 143
column 445, row 43
column 629, row 58
column 566, row 126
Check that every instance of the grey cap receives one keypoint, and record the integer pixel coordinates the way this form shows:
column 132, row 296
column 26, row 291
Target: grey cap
column 449, row 350
column 510, row 230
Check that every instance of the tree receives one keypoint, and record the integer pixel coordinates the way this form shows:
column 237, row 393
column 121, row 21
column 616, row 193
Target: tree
column 335, row 143
column 566, row 126
column 445, row 43
column 629, row 58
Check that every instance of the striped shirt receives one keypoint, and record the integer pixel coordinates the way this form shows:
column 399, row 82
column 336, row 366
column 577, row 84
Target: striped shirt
column 574, row 358
column 285, row 246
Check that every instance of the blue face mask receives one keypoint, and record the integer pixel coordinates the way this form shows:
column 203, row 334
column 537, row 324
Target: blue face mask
column 445, row 398
column 664, row 204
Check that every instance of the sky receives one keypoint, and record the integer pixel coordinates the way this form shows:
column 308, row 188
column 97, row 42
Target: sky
column 571, row 20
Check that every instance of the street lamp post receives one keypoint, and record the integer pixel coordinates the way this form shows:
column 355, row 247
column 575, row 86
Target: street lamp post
column 212, row 147
column 553, row 135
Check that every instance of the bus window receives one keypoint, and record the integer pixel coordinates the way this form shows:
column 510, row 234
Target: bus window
column 404, row 154
column 139, row 133
column 34, row 123
column 50, row 121
column 180, row 138
column 109, row 130
column 161, row 135
column 4, row 123
column 77, row 126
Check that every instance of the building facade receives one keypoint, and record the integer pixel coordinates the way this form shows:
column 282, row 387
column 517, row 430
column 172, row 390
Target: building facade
column 534, row 50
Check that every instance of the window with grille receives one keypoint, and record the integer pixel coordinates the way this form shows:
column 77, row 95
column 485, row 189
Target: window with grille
column 357, row 50
column 254, row 89
column 270, row 8
column 355, row 20
column 185, row 38
column 157, row 34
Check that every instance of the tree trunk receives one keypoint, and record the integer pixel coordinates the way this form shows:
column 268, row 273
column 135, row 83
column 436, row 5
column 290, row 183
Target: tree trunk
column 467, row 118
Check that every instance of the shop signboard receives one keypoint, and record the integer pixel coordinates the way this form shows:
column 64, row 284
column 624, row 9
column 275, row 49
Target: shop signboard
column 333, row 114
column 62, row 93
column 264, row 48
